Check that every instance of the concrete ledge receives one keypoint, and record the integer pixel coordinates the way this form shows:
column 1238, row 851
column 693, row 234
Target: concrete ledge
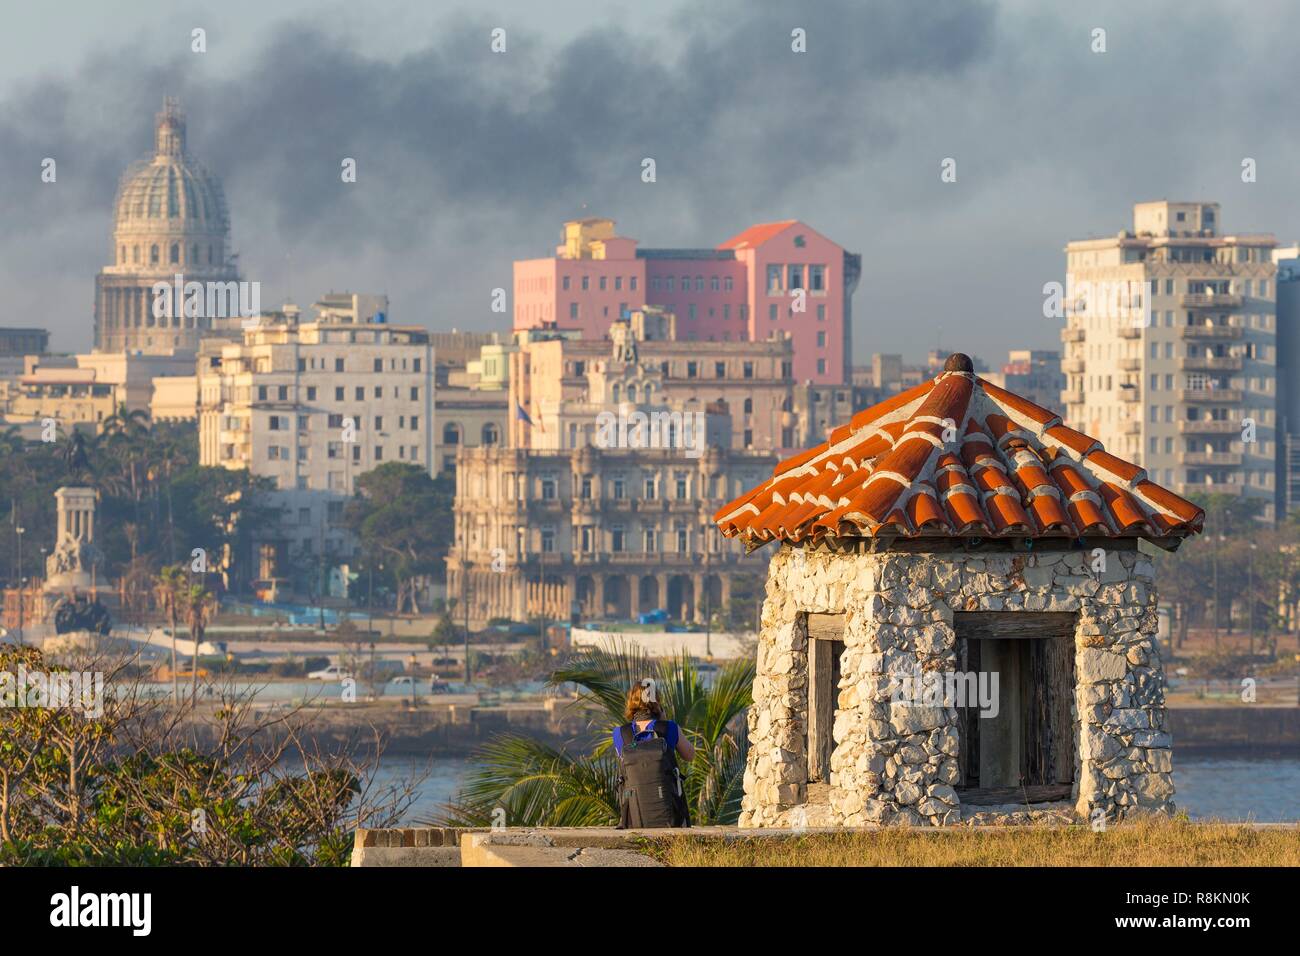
column 537, row 848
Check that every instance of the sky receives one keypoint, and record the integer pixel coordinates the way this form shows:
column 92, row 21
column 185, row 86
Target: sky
column 469, row 159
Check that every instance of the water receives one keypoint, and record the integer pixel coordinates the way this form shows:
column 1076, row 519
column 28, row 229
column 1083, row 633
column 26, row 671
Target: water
column 1265, row 790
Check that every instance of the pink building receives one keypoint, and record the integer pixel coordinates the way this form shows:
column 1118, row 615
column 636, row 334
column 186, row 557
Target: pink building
column 781, row 277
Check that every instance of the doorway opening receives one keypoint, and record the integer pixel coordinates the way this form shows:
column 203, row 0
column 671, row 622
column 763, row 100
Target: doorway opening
column 1017, row 744
column 825, row 647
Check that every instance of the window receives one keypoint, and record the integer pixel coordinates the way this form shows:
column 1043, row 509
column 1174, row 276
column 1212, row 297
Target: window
column 680, row 483
column 415, row 423
column 749, row 406
column 261, row 393
column 451, row 434
column 275, row 423
column 821, row 313
column 616, row 538
column 548, row 540
column 727, row 284
column 817, row 278
column 719, row 369
column 548, row 489
column 651, row 487
column 773, row 279
column 683, row 539
column 586, row 283
column 796, row 277
column 564, row 283
column 338, row 394
column 586, row 486
column 379, row 453
column 771, row 312
column 603, row 282
column 338, row 364
column 690, row 369
column 821, row 340
column 821, row 366
column 573, row 310
column 491, row 434
column 618, row 283
column 618, row 489
column 648, row 538
column 714, row 284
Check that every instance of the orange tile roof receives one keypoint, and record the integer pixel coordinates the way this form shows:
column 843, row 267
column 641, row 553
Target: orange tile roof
column 757, row 235
column 957, row 456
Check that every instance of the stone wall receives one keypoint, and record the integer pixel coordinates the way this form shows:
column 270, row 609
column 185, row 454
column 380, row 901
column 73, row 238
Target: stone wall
column 896, row 762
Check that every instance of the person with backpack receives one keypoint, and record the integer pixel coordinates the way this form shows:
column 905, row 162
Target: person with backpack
column 650, row 791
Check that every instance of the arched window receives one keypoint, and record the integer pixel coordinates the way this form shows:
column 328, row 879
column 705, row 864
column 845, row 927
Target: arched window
column 491, row 434
column 153, row 254
column 749, row 405
column 175, row 255
column 618, row 390
column 135, row 253
column 451, row 434
column 631, row 393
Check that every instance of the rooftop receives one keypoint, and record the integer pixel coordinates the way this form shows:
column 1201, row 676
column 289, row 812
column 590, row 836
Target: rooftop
column 957, row 456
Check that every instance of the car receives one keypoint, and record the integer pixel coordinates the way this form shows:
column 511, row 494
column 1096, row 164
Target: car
column 333, row 672
column 439, row 687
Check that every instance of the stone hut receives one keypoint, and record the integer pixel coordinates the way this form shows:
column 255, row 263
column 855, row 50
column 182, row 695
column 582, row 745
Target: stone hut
column 960, row 623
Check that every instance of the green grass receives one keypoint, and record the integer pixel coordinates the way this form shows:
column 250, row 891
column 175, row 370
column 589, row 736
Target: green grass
column 1152, row 842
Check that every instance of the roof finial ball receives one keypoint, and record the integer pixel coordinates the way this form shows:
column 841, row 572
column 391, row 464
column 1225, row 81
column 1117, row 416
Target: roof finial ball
column 959, row 362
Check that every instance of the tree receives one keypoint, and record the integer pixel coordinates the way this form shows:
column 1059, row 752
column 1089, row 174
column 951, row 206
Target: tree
column 402, row 518
column 129, row 783
column 200, row 605
column 539, row 785
column 170, row 590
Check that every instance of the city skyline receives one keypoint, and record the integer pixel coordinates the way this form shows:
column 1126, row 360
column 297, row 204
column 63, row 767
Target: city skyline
column 441, row 210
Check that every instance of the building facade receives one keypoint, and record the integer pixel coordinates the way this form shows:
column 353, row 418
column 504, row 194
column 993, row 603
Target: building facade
column 780, row 278
column 312, row 407
column 560, row 382
column 1170, row 349
column 594, row 533
column 169, row 219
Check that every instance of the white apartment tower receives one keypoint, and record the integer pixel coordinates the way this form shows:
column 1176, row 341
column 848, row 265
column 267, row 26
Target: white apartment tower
column 313, row 407
column 1170, row 349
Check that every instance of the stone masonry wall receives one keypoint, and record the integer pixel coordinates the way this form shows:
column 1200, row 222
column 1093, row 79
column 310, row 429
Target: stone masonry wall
column 896, row 763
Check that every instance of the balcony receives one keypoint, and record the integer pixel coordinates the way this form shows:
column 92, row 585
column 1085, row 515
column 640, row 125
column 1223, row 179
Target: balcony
column 1203, row 459
column 1185, row 488
column 1130, row 394
column 1209, row 427
column 1210, row 300
column 1075, row 365
column 1130, row 332
column 1211, row 363
column 1216, row 332
column 1133, row 427
column 1072, row 397
column 1216, row 396
column 1072, row 335
column 1130, row 364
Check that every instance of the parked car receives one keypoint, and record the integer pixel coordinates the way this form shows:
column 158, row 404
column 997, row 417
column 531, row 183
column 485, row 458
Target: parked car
column 437, row 686
column 332, row 672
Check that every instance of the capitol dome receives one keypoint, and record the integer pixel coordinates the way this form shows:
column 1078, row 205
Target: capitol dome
column 169, row 219
column 170, row 211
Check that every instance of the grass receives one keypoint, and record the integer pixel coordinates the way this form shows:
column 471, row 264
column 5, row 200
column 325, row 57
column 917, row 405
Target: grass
column 1139, row 843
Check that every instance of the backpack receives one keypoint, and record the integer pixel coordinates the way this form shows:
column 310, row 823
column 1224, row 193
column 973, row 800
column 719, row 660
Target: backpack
column 650, row 792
